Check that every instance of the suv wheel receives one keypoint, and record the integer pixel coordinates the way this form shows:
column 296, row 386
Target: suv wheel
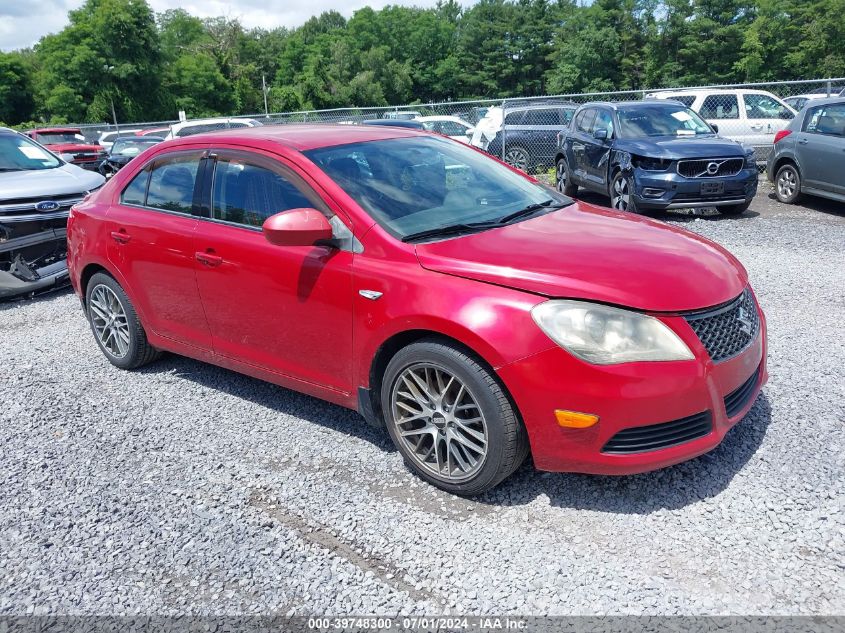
column 450, row 418
column 115, row 324
column 621, row 193
column 564, row 182
column 788, row 184
column 517, row 157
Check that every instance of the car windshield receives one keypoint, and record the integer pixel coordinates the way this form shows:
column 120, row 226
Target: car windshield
column 60, row 138
column 653, row 120
column 131, row 146
column 18, row 153
column 412, row 185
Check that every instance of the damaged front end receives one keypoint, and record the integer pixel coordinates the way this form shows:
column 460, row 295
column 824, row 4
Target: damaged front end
column 33, row 244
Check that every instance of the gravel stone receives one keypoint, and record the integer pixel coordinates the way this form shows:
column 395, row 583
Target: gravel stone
column 187, row 489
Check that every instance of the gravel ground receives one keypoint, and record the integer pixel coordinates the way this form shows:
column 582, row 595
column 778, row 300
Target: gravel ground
column 184, row 488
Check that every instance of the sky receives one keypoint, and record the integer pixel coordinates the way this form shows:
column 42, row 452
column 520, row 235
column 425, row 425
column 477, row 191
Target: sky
column 24, row 22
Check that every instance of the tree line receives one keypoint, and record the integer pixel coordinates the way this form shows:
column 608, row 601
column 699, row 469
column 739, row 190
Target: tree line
column 120, row 54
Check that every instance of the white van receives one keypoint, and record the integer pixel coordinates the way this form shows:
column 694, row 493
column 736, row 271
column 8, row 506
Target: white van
column 752, row 117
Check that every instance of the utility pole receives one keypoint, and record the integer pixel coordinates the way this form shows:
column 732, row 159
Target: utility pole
column 264, row 90
column 109, row 70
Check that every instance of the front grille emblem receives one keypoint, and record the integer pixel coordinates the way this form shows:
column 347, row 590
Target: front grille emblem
column 47, row 205
column 712, row 168
column 745, row 323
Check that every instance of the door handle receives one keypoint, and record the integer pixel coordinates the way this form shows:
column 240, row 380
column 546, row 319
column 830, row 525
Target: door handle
column 209, row 259
column 121, row 236
column 756, row 127
column 803, row 141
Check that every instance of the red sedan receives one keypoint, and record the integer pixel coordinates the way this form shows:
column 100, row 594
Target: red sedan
column 474, row 312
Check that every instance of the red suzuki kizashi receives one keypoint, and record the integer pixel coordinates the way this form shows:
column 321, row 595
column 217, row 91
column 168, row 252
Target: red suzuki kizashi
column 474, row 312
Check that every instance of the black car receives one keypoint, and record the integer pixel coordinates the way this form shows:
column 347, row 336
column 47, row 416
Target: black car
column 529, row 134
column 124, row 149
column 654, row 154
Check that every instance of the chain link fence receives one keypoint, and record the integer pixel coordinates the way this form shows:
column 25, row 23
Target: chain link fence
column 524, row 131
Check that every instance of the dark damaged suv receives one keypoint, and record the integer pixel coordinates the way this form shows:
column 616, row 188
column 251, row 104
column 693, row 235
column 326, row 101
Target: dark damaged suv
column 37, row 189
column 654, row 154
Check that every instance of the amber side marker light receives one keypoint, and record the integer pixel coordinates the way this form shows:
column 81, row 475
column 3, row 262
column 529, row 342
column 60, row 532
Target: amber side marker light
column 575, row 420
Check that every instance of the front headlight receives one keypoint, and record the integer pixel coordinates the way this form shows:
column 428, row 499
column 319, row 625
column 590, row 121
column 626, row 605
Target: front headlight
column 603, row 335
column 750, row 158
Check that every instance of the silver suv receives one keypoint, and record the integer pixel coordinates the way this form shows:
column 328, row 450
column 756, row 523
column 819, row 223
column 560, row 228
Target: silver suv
column 37, row 189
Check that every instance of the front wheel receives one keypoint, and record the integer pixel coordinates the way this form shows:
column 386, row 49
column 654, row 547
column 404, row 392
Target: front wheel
column 450, row 419
column 622, row 193
column 564, row 180
column 115, row 324
column 518, row 158
column 788, row 184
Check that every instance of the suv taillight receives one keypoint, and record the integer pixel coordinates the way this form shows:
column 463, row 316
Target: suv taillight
column 782, row 135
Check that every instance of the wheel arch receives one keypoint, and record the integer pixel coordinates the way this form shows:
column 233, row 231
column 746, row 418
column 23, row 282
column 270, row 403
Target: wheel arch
column 784, row 160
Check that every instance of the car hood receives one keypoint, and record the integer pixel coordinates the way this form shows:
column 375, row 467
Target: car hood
column 674, row 147
column 72, row 148
column 64, row 180
column 595, row 254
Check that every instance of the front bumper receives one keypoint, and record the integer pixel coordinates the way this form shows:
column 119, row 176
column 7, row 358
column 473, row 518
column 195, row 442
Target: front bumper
column 669, row 190
column 628, row 396
column 55, row 274
column 91, row 165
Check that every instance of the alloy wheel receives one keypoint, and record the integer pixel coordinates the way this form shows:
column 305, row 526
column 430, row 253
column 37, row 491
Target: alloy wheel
column 787, row 184
column 109, row 320
column 621, row 197
column 561, row 175
column 517, row 158
column 439, row 422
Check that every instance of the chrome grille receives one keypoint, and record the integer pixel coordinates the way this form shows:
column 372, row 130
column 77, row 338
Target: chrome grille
column 26, row 209
column 710, row 167
column 728, row 330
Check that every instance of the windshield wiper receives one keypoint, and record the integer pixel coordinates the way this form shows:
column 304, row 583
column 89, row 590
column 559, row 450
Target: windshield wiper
column 10, row 169
column 531, row 208
column 451, row 229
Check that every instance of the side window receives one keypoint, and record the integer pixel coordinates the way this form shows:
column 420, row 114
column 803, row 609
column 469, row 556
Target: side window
column 248, row 194
column 514, row 118
column 604, row 120
column 764, row 107
column 584, row 121
column 720, row 107
column 542, row 117
column 172, row 183
column 687, row 100
column 829, row 120
column 136, row 190
column 450, row 128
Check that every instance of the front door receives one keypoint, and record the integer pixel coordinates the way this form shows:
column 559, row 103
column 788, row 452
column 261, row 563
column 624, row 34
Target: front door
column 820, row 148
column 151, row 233
column 287, row 309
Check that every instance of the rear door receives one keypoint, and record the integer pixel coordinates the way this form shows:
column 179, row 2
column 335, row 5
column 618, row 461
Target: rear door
column 541, row 127
column 577, row 139
column 820, row 148
column 151, row 231
column 723, row 110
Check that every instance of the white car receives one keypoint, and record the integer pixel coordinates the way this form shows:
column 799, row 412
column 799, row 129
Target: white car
column 198, row 126
column 451, row 126
column 402, row 115
column 487, row 128
column 752, row 117
column 107, row 138
column 799, row 101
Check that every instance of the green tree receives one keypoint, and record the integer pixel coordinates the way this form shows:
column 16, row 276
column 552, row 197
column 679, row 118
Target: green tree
column 16, row 99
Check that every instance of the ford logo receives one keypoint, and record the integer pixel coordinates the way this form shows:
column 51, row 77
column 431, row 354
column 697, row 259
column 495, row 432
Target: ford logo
column 47, row 205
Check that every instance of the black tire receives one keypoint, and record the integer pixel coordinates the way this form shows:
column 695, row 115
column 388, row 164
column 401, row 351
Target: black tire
column 617, row 196
column 138, row 350
column 737, row 209
column 788, row 184
column 507, row 441
column 563, row 179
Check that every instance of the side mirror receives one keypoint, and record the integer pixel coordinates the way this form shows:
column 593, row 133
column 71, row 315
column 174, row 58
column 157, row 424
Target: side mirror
column 68, row 158
column 715, row 128
column 297, row 227
column 600, row 134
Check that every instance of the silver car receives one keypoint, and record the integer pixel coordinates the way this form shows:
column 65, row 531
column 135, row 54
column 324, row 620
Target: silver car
column 37, row 189
column 809, row 155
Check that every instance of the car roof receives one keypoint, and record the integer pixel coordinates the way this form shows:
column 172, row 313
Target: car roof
column 707, row 91
column 54, row 130
column 442, row 117
column 541, row 106
column 615, row 105
column 207, row 121
column 826, row 101
column 302, row 137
